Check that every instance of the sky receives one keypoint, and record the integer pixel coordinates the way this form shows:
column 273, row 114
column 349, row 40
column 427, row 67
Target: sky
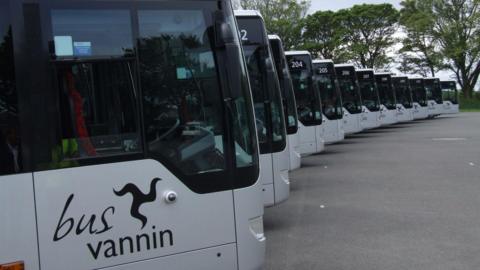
column 339, row 4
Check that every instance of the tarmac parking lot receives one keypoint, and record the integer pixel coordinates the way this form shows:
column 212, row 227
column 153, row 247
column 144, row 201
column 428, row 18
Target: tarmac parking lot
column 401, row 197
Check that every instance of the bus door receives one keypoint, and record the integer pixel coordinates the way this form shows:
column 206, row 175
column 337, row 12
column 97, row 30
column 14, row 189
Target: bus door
column 327, row 83
column 450, row 95
column 387, row 98
column 308, row 101
column 419, row 97
column 17, row 207
column 142, row 137
column 370, row 98
column 352, row 100
column 274, row 158
column 289, row 102
column 403, row 95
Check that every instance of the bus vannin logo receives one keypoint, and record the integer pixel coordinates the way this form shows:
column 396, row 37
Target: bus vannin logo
column 139, row 198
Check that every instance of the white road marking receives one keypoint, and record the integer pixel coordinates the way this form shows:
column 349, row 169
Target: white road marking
column 449, row 139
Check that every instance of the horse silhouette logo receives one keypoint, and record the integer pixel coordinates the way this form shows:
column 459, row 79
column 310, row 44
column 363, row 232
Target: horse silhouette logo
column 139, row 198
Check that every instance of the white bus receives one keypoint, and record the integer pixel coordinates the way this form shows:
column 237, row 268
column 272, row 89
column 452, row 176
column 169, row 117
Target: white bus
column 289, row 102
column 450, row 95
column 371, row 99
column 127, row 138
column 388, row 98
column 324, row 76
column 267, row 100
column 351, row 97
column 403, row 92
column 419, row 93
column 309, row 106
column 434, row 97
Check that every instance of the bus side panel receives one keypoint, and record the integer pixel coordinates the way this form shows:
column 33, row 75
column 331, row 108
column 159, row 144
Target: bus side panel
column 320, row 141
column 351, row 123
column 419, row 112
column 281, row 166
column 455, row 108
column 18, row 235
column 266, row 176
column 295, row 158
column 226, row 258
column 112, row 214
column 251, row 247
column 329, row 130
column 341, row 130
column 308, row 142
column 371, row 119
column 401, row 113
column 389, row 117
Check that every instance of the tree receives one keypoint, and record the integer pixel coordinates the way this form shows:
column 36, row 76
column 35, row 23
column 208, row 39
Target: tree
column 455, row 29
column 411, row 63
column 282, row 17
column 369, row 33
column 420, row 52
column 323, row 36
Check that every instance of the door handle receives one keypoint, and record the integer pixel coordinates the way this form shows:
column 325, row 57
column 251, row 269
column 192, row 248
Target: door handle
column 170, row 197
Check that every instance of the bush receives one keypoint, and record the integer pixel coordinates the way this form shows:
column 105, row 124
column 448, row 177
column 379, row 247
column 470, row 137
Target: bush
column 472, row 104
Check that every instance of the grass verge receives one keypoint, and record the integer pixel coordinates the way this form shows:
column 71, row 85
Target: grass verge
column 470, row 105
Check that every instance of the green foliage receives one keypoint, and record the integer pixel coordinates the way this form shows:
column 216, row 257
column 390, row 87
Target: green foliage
column 283, row 18
column 470, row 104
column 323, row 36
column 452, row 29
column 420, row 53
column 369, row 33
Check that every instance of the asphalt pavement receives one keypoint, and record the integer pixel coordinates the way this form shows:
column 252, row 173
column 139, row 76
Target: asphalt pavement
column 401, row 197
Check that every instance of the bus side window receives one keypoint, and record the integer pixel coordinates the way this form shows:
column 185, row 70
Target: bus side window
column 95, row 87
column 10, row 143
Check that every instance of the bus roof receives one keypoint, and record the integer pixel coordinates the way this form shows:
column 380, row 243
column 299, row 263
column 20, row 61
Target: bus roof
column 323, row 61
column 276, row 37
column 366, row 70
column 247, row 13
column 383, row 74
column 344, row 65
column 290, row 53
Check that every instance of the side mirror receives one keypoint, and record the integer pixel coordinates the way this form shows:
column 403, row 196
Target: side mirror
column 269, row 64
column 223, row 31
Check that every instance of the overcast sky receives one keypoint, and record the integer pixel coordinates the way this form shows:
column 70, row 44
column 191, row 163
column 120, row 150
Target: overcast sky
column 339, row 4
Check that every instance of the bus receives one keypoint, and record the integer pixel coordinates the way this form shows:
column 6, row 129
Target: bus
column 434, row 97
column 403, row 92
column 309, row 105
column 419, row 94
column 326, row 79
column 127, row 137
column 289, row 103
column 267, row 101
column 370, row 97
column 351, row 97
column 388, row 98
column 450, row 97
